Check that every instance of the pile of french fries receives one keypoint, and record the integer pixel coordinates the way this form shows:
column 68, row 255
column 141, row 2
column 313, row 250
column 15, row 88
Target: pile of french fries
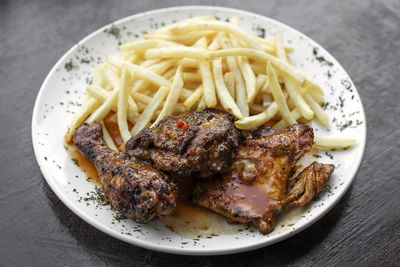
column 203, row 63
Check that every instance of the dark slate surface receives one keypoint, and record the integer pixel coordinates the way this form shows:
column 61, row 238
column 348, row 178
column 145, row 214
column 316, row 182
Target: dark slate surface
column 363, row 229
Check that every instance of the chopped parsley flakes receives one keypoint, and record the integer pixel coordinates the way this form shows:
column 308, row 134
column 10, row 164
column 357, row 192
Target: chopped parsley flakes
column 70, row 65
column 321, row 59
column 114, row 31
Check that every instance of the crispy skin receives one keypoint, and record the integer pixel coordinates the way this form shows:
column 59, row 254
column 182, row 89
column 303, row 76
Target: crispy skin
column 308, row 184
column 208, row 146
column 134, row 188
column 254, row 190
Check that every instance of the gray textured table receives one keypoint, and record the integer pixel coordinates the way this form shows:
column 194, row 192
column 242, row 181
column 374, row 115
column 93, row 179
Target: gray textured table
column 363, row 229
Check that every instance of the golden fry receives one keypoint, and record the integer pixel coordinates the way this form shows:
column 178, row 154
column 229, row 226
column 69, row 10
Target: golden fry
column 150, row 109
column 229, row 79
column 318, row 111
column 173, row 96
column 290, row 85
column 123, row 97
column 224, row 96
column 278, row 95
column 252, row 122
column 328, row 143
column 194, row 97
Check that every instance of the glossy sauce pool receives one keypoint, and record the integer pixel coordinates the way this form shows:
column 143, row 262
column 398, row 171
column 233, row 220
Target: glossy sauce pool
column 186, row 220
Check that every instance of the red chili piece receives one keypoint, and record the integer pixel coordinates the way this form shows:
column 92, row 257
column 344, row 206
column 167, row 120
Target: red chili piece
column 179, row 124
column 216, row 155
column 190, row 151
column 185, row 127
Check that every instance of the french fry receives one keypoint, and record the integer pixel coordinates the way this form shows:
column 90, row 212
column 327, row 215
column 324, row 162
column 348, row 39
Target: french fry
column 180, row 39
column 234, row 21
column 218, row 26
column 258, row 68
column 112, row 78
column 260, row 81
column 194, row 97
column 240, row 93
column 311, row 87
column 278, row 95
column 141, row 98
column 148, row 63
column 157, row 68
column 150, row 109
column 115, row 82
column 249, row 78
column 265, row 88
column 166, row 29
column 256, row 108
column 101, row 95
column 290, row 85
column 169, row 74
column 176, row 52
column 270, row 45
column 148, row 75
column 224, row 96
column 188, row 63
column 317, row 97
column 282, row 124
column 99, row 76
column 328, row 143
column 216, row 42
column 146, row 44
column 282, row 66
column 202, row 104
column 229, row 79
column 105, row 108
column 173, row 96
column 83, row 112
column 123, row 104
column 254, row 121
column 244, row 66
column 206, row 77
column 132, row 56
column 191, row 77
column 178, row 109
column 107, row 138
column 298, row 100
column 318, row 111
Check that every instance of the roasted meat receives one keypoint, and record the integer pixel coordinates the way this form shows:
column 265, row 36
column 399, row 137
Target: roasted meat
column 201, row 143
column 308, row 184
column 255, row 188
column 134, row 188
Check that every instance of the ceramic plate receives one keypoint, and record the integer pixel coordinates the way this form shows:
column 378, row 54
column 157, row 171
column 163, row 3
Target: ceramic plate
column 64, row 88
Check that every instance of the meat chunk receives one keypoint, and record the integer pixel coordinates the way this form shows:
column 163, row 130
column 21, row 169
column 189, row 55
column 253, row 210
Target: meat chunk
column 134, row 188
column 308, row 184
column 254, row 189
column 202, row 143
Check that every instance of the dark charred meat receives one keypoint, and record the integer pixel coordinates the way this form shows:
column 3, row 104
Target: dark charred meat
column 308, row 184
column 254, row 190
column 134, row 188
column 202, row 143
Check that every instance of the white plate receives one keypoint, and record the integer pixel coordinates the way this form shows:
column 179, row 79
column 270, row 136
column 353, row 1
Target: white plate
column 62, row 90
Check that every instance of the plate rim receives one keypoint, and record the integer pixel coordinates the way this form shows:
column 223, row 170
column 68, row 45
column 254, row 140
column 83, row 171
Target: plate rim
column 164, row 248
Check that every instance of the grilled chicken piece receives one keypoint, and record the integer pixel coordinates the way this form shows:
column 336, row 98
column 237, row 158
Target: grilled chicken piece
column 202, row 143
column 309, row 183
column 254, row 190
column 134, row 188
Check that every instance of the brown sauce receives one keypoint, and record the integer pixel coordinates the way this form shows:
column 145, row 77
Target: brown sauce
column 84, row 164
column 251, row 196
column 189, row 220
